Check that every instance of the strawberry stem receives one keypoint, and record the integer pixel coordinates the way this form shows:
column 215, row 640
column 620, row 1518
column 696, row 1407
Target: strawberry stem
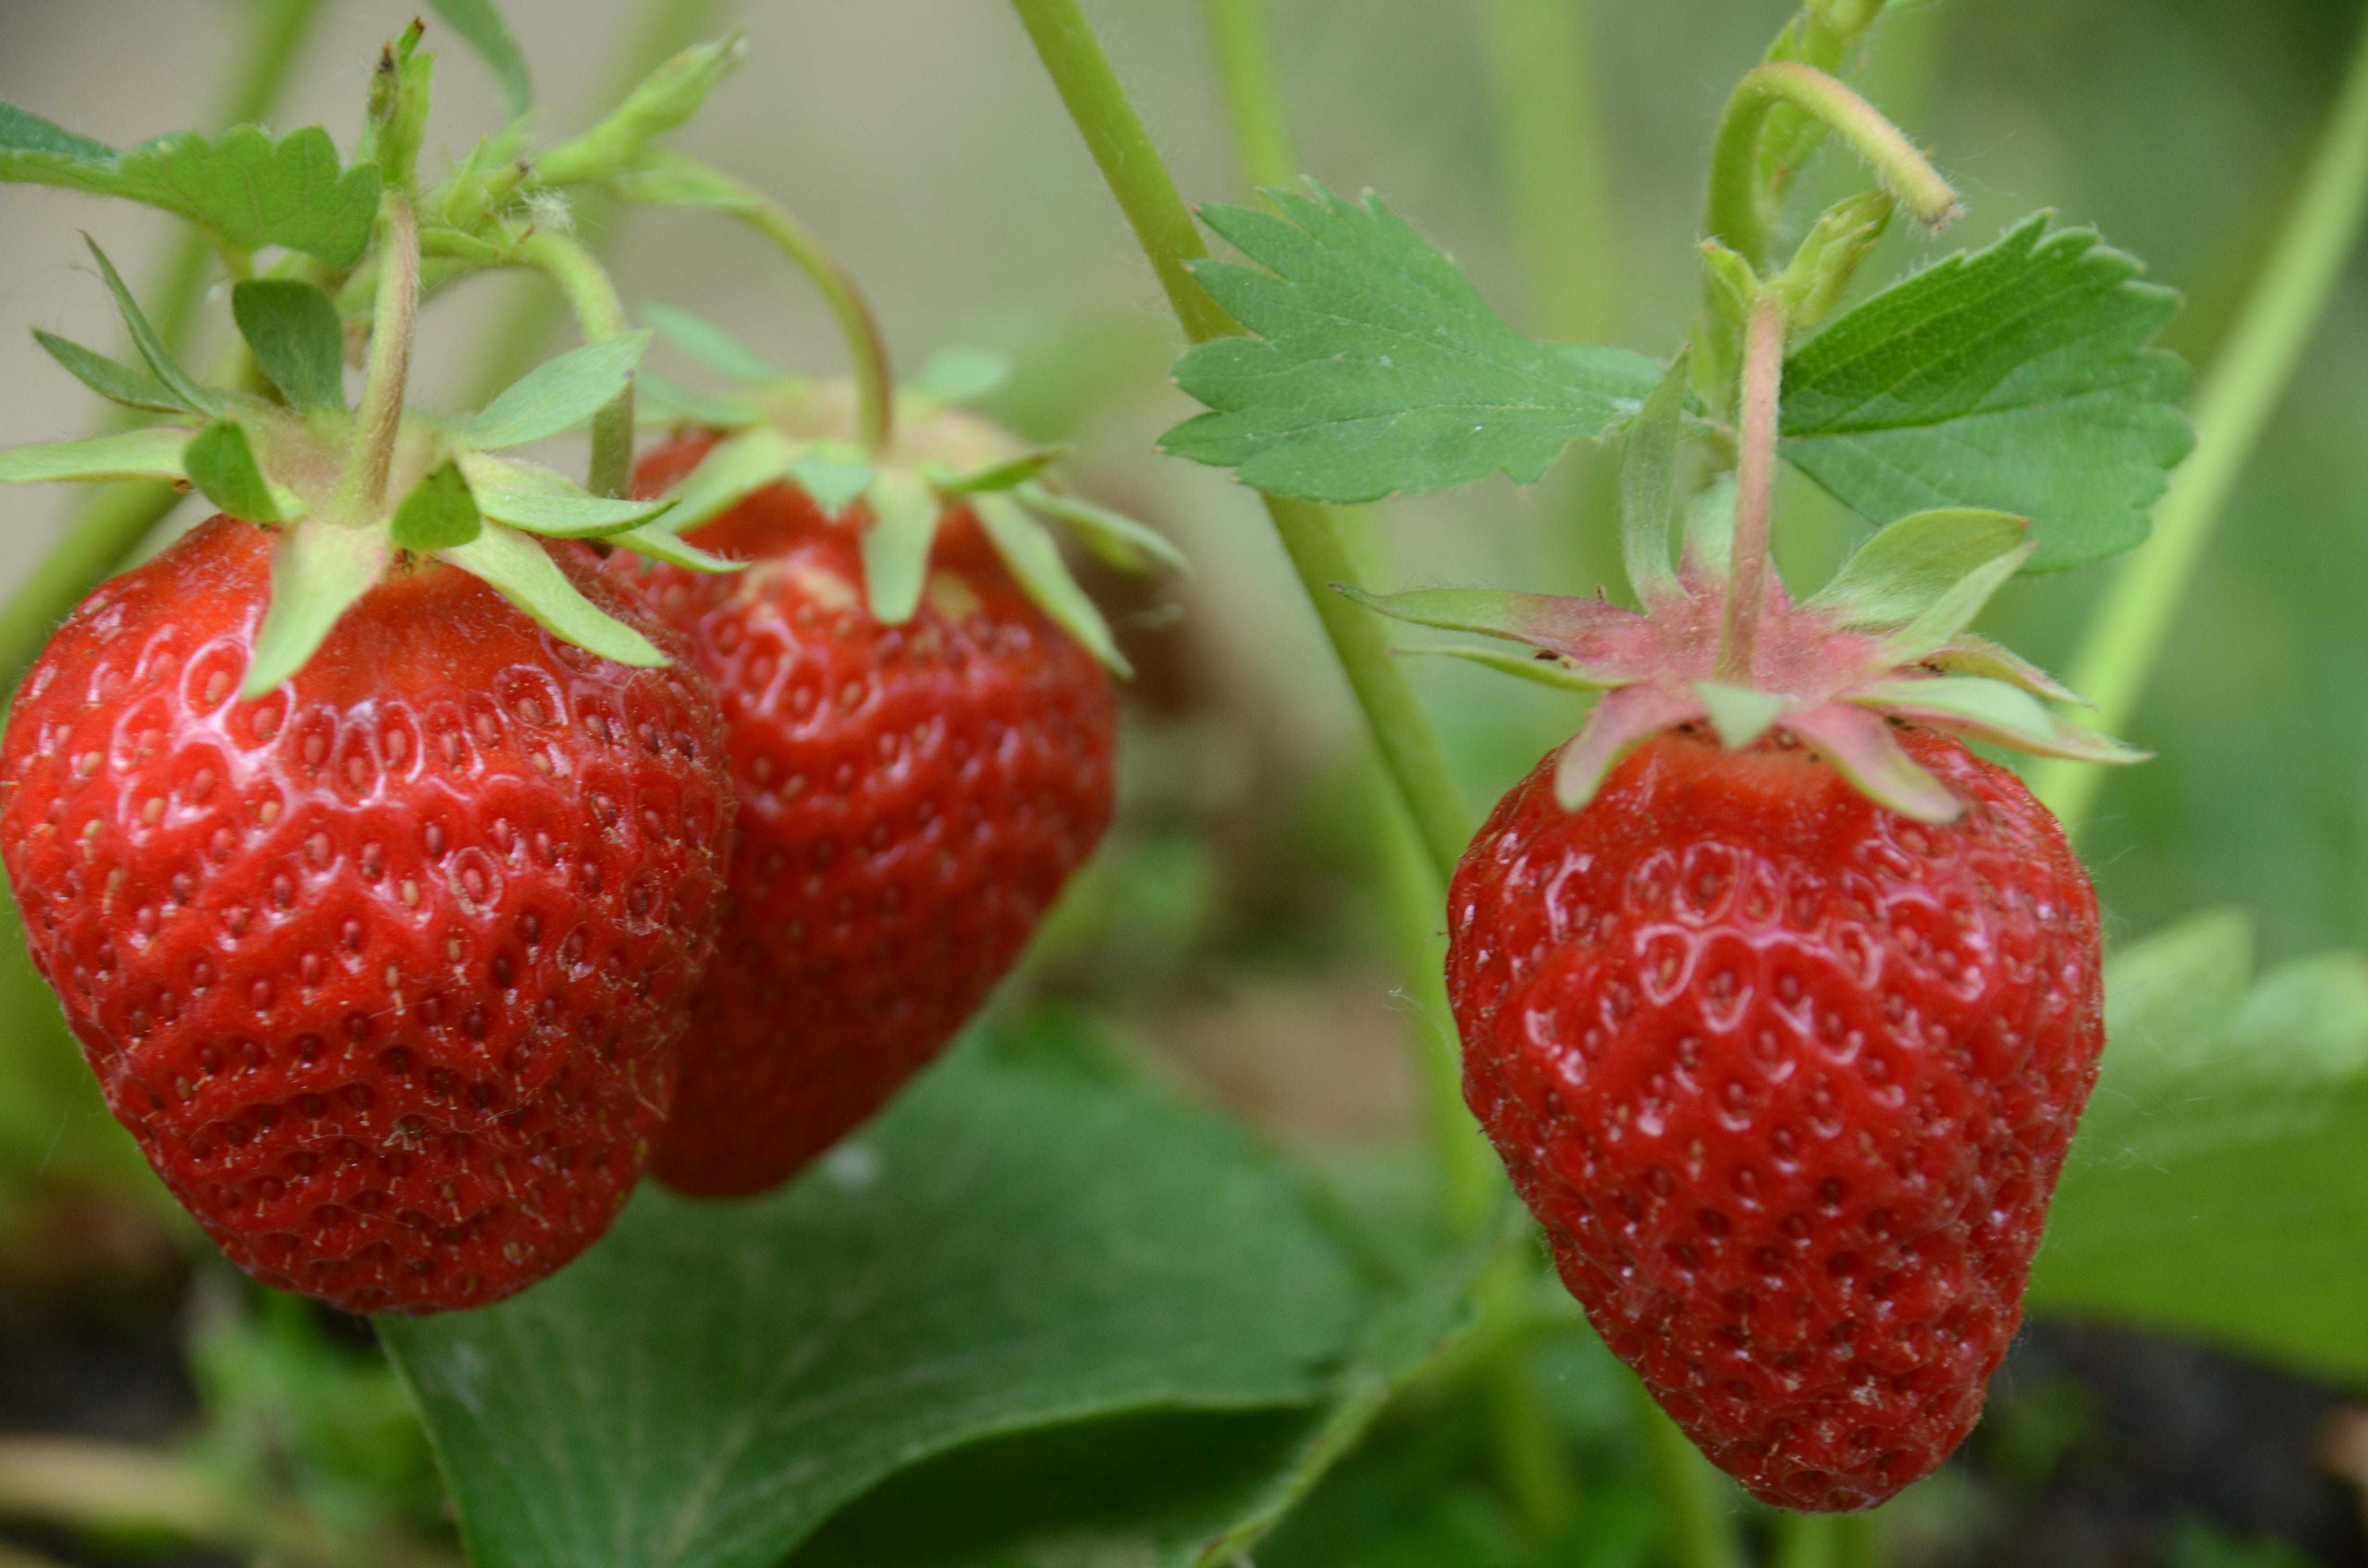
column 1755, row 487
column 592, row 297
column 866, row 346
column 1740, row 210
column 361, row 492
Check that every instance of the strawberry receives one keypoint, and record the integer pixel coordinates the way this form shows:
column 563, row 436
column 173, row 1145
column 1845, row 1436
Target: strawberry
column 914, row 794
column 385, row 968
column 1779, row 1007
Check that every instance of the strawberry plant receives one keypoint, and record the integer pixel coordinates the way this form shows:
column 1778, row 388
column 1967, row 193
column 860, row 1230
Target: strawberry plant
column 702, row 777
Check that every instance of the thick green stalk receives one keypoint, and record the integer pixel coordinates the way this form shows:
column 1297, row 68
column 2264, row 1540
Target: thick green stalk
column 1551, row 151
column 2243, row 390
column 666, row 28
column 1806, row 1540
column 600, row 315
column 1242, row 42
column 112, row 520
column 1163, row 226
column 1862, row 1541
column 361, row 491
column 1702, row 1530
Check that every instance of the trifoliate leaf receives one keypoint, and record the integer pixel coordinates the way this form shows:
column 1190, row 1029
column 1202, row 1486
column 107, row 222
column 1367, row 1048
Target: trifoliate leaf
column 151, row 454
column 655, row 542
column 665, row 98
column 709, row 344
column 481, row 26
column 2017, row 378
column 1035, row 559
column 962, row 375
column 542, row 500
column 732, row 470
column 1377, row 369
column 1904, row 569
column 318, row 571
column 151, row 348
column 663, row 400
column 112, row 378
column 1003, row 475
column 833, row 474
column 904, row 513
column 222, row 464
column 556, row 395
column 1649, row 486
column 1116, row 539
column 297, row 339
column 439, row 514
column 1739, row 713
column 518, row 567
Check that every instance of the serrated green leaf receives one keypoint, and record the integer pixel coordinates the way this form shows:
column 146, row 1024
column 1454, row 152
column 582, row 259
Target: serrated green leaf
column 480, row 24
column 518, row 567
column 663, row 400
column 1994, row 711
column 222, row 464
column 112, row 378
column 439, row 514
column 318, row 571
column 2018, row 380
column 962, row 375
column 655, row 542
column 833, row 474
column 25, row 136
column 1649, row 486
column 2215, row 1188
column 1009, row 475
column 906, row 510
column 1117, row 539
column 1035, row 559
column 1377, row 369
column 1017, row 1245
column 544, row 501
column 556, row 395
column 1904, row 569
column 154, row 453
column 152, row 348
column 297, row 339
column 732, row 470
column 709, row 344
column 1739, row 713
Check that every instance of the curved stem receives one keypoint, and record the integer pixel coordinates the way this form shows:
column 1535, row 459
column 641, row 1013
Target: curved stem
column 1241, row 41
column 1739, row 217
column 2287, row 299
column 361, row 491
column 592, row 297
column 1551, row 151
column 1755, row 487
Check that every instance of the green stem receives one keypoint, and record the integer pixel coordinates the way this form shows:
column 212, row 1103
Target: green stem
column 591, row 296
column 1529, row 1457
column 1551, row 149
column 1755, row 487
column 1702, row 1531
column 2246, row 381
column 1862, row 1541
column 1739, row 217
column 361, row 491
column 1806, row 1540
column 1242, row 42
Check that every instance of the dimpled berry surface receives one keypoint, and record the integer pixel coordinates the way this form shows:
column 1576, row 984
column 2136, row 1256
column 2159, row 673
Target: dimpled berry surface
column 386, row 969
column 1787, row 1079
column 913, row 799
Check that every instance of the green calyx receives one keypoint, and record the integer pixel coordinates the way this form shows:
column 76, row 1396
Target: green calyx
column 940, row 460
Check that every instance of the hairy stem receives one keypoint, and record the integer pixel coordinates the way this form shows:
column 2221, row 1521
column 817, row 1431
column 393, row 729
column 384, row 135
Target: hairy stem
column 361, row 491
column 1740, row 219
column 592, row 298
column 1755, row 487
column 1551, row 151
column 2250, row 376
column 1162, row 223
column 1701, row 1532
column 1241, row 40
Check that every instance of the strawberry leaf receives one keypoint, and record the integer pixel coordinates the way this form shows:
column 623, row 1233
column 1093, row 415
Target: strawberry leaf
column 833, row 474
column 112, row 378
column 518, row 567
column 1116, row 539
column 544, row 501
column 2215, row 1188
column 297, row 339
column 1003, row 475
column 152, row 348
column 318, row 571
column 480, row 24
column 1904, row 569
column 664, row 399
column 154, row 453
column 655, row 542
column 27, row 142
column 1035, row 559
column 1546, row 669
column 1377, row 369
column 1649, row 486
column 221, row 465
column 1740, row 714
column 962, row 375
column 731, row 472
column 661, row 101
column 904, row 513
column 1996, row 711
column 556, row 395
column 439, row 514
column 2018, row 379
column 709, row 344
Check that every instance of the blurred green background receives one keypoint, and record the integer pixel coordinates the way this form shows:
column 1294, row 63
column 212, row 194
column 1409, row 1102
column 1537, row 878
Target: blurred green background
column 1233, row 926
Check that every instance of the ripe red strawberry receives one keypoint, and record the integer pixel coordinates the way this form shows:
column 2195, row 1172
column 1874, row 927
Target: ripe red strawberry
column 384, row 969
column 913, row 797
column 1788, row 1078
